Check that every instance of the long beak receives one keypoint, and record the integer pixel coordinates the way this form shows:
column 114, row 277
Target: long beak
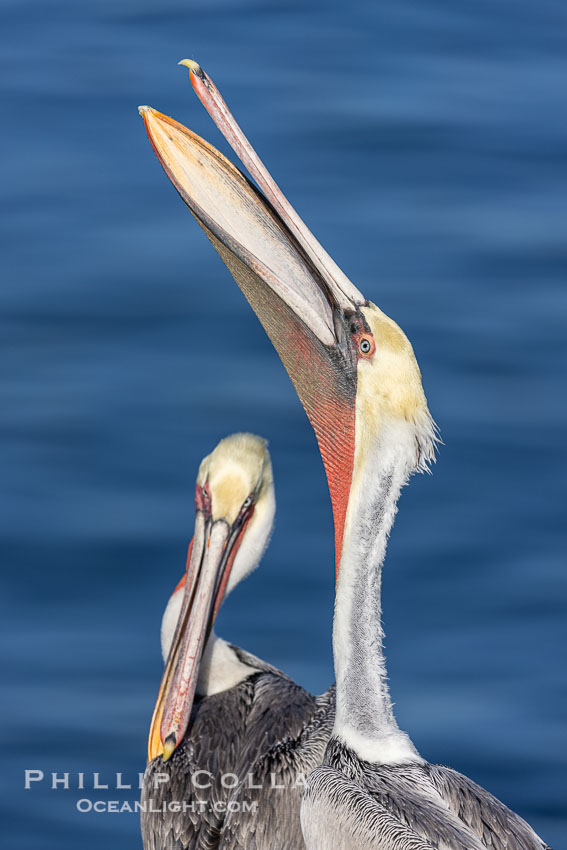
column 210, row 560
column 343, row 290
column 302, row 299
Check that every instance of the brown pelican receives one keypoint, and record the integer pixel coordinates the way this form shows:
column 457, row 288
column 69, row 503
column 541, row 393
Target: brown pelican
column 357, row 377
column 232, row 738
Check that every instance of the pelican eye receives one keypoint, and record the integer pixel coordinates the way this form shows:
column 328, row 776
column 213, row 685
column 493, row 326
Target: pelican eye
column 365, row 346
column 244, row 511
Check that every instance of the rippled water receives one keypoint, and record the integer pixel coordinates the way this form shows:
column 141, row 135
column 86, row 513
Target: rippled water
column 425, row 143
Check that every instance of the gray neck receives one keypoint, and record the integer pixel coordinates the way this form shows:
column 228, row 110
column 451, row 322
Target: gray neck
column 364, row 717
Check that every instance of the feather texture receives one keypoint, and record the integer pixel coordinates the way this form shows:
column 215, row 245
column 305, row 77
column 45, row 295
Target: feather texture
column 262, row 737
column 349, row 803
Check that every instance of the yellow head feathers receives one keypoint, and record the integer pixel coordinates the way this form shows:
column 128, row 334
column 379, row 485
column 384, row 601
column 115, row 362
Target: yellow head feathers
column 238, row 467
column 390, row 390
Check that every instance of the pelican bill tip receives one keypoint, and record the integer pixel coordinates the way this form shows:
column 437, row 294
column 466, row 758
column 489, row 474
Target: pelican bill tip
column 194, row 67
column 169, row 747
column 143, row 110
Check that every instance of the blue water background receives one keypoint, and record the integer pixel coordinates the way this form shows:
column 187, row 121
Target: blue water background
column 425, row 144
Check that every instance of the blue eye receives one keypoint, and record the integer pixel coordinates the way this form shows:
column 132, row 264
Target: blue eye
column 364, row 346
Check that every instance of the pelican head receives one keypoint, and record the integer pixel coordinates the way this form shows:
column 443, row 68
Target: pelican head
column 234, row 514
column 352, row 366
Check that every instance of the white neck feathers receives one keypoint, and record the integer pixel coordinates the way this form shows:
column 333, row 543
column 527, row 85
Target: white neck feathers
column 364, row 716
column 220, row 668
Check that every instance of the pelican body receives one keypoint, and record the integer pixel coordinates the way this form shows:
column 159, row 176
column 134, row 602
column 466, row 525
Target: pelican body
column 232, row 738
column 357, row 377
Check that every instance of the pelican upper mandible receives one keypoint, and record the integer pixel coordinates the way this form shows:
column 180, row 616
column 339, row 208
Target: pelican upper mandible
column 232, row 738
column 357, row 377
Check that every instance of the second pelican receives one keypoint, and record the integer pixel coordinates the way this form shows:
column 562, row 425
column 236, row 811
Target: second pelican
column 232, row 737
